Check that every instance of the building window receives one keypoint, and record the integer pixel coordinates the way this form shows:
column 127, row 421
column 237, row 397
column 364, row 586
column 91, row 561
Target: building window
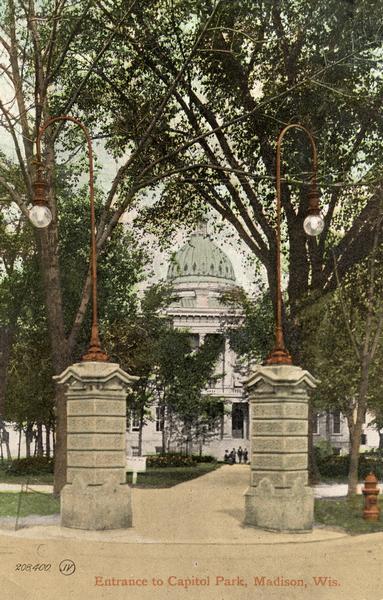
column 194, row 341
column 239, row 415
column 363, row 439
column 336, row 421
column 160, row 418
column 135, row 421
column 215, row 416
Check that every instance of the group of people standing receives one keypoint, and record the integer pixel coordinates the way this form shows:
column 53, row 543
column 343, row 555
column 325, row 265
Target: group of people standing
column 231, row 457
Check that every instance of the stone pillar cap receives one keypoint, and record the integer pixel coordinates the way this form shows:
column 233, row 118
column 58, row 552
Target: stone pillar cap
column 89, row 371
column 280, row 375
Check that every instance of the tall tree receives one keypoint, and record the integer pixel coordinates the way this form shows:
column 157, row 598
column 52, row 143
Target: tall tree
column 49, row 56
column 193, row 94
column 259, row 65
column 344, row 345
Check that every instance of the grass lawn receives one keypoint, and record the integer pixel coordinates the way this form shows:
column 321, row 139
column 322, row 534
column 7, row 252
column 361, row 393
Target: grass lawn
column 168, row 476
column 31, row 504
column 153, row 477
column 5, row 477
column 346, row 514
column 45, row 504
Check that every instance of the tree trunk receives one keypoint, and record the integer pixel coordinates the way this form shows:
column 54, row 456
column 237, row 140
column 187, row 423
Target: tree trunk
column 314, row 475
column 19, row 444
column 54, row 440
column 60, row 441
column 357, row 431
column 60, row 352
column 28, row 440
column 140, row 431
column 47, row 441
column 354, row 460
column 328, row 427
column 9, row 455
column 40, row 444
column 7, row 335
column 163, row 415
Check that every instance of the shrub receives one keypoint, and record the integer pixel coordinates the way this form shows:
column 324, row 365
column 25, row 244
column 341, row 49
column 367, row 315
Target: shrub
column 204, row 458
column 323, row 448
column 169, row 460
column 31, row 466
column 174, row 459
column 337, row 466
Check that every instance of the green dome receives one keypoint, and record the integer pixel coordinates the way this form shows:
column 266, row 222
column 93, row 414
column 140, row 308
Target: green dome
column 200, row 260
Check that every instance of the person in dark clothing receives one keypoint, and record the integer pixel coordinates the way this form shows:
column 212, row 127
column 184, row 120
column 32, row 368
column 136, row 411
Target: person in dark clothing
column 226, row 458
column 233, row 455
column 240, row 454
column 245, row 456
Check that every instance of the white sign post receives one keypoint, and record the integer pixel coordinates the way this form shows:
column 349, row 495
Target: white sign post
column 136, row 464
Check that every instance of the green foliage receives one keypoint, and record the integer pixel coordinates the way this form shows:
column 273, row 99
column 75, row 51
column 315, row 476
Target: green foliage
column 323, row 449
column 169, row 372
column 249, row 323
column 170, row 460
column 257, row 67
column 174, row 459
column 35, row 465
column 338, row 466
column 334, row 333
column 30, row 389
column 203, row 458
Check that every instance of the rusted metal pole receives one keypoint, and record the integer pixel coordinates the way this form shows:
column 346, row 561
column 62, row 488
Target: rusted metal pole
column 94, row 352
column 280, row 355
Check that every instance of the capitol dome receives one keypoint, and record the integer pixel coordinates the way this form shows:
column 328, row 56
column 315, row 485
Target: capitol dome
column 200, row 259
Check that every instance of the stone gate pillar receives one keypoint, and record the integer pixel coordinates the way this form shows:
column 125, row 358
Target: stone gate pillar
column 279, row 498
column 96, row 495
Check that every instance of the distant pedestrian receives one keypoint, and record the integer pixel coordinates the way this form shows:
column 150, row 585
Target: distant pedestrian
column 240, row 454
column 234, row 455
column 245, row 456
column 226, row 458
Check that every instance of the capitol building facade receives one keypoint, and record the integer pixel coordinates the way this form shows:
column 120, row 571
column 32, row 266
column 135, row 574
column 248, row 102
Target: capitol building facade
column 199, row 272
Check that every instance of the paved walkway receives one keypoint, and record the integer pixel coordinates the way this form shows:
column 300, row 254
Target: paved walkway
column 323, row 490
column 183, row 536
column 206, row 509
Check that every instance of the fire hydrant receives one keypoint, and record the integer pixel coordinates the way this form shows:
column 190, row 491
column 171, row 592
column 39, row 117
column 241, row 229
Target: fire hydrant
column 370, row 491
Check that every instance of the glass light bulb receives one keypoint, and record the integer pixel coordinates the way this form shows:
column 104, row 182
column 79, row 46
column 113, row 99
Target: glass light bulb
column 40, row 215
column 313, row 224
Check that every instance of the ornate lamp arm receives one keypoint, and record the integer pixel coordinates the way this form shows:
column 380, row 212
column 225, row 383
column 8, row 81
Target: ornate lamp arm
column 280, row 355
column 94, row 352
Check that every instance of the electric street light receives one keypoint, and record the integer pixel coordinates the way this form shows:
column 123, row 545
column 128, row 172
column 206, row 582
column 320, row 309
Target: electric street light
column 41, row 216
column 313, row 225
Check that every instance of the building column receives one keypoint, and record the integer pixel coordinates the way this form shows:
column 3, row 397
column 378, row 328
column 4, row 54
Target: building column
column 96, row 495
column 279, row 498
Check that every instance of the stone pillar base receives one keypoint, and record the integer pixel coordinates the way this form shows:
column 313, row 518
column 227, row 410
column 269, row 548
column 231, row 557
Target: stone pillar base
column 96, row 507
column 289, row 509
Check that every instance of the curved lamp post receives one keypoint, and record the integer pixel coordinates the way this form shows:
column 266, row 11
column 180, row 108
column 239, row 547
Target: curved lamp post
column 41, row 216
column 313, row 225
